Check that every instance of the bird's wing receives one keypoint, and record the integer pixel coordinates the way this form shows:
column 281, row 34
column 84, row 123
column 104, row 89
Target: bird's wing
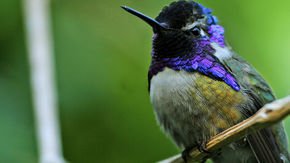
column 267, row 144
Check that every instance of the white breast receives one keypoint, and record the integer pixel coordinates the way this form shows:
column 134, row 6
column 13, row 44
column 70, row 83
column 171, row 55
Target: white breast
column 171, row 96
column 171, row 87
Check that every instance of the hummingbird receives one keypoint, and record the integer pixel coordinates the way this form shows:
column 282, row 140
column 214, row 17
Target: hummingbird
column 199, row 86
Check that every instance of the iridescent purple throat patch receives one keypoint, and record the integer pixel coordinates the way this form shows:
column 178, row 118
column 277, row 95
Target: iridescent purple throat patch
column 205, row 64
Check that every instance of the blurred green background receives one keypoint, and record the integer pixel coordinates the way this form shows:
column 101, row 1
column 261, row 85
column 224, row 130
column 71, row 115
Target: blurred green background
column 102, row 55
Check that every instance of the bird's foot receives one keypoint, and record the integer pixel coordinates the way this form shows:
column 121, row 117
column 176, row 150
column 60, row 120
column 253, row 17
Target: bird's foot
column 186, row 153
column 202, row 147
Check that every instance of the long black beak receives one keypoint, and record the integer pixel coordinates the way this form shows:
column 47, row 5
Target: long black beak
column 157, row 27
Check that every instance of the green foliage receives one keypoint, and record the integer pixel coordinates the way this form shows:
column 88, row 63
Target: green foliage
column 102, row 55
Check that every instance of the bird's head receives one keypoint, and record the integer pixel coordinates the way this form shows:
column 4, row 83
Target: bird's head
column 183, row 27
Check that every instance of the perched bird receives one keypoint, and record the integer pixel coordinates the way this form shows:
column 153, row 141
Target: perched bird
column 199, row 86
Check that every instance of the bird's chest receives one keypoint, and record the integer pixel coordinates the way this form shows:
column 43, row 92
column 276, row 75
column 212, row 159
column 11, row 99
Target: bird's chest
column 186, row 103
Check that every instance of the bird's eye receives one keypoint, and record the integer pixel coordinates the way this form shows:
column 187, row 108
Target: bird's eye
column 195, row 31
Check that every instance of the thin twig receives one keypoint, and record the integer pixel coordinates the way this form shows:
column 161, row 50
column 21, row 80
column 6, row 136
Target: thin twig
column 265, row 117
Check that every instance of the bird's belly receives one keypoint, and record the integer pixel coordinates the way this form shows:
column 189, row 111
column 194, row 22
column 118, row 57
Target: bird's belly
column 192, row 107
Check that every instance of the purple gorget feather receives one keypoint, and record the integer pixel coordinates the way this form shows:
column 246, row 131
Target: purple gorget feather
column 216, row 33
column 199, row 60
